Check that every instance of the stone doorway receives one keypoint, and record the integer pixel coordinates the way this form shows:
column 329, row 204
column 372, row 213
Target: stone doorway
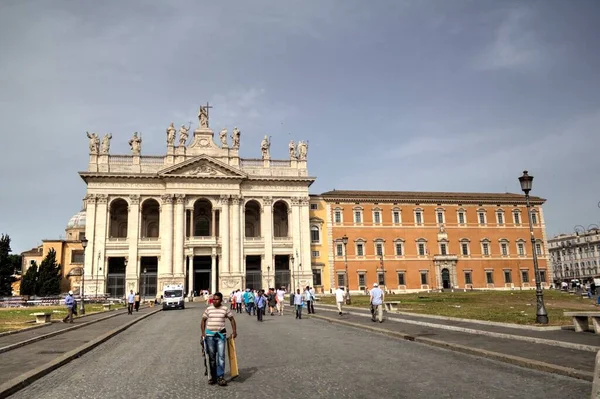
column 282, row 271
column 148, row 276
column 446, row 283
column 253, row 272
column 115, row 282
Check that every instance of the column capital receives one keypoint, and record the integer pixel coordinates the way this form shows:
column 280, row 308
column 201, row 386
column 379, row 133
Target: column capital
column 295, row 201
column 166, row 198
column 102, row 198
column 268, row 201
column 235, row 199
column 224, row 199
column 134, row 199
column 179, row 199
column 90, row 199
column 304, row 201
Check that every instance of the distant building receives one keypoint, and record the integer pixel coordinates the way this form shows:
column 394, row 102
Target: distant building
column 575, row 255
column 413, row 241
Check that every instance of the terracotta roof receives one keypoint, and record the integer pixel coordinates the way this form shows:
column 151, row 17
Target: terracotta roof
column 416, row 196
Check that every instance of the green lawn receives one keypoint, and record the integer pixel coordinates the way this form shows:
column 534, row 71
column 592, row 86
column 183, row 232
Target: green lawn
column 18, row 318
column 500, row 306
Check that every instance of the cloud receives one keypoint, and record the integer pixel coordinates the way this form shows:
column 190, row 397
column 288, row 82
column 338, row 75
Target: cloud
column 515, row 44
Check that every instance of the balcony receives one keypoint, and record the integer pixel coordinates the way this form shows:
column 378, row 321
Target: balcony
column 282, row 241
column 445, row 258
column 201, row 241
column 116, row 243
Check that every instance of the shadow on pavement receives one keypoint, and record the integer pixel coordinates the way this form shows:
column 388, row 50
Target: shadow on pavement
column 244, row 374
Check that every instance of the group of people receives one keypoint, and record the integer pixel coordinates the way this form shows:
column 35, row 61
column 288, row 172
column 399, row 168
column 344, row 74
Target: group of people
column 133, row 302
column 376, row 301
column 258, row 302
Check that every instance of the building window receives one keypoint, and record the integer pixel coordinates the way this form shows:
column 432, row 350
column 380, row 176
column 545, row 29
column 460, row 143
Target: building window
column 500, row 217
column 314, row 207
column 481, row 215
column 468, row 278
column 538, row 248
column 443, row 248
column 317, row 280
column 339, row 249
column 464, row 248
column 542, row 276
column 341, row 280
column 379, row 248
column 377, row 217
column 440, row 216
column 315, row 254
column 396, row 216
column 81, row 235
column 517, row 217
column 401, row 280
column 418, row 217
column 361, row 280
column 525, row 276
column 77, row 257
column 461, row 217
column 399, row 249
column 380, row 278
column 485, row 249
column 521, row 249
column 507, row 277
column 360, row 249
column 424, row 278
column 504, row 248
column 534, row 218
column 338, row 216
column 357, row 216
column 489, row 277
column 421, row 248
column 314, row 234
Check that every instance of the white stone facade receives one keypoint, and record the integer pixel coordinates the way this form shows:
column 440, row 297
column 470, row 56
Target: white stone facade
column 199, row 215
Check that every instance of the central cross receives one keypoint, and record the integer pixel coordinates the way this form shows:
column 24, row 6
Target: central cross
column 207, row 107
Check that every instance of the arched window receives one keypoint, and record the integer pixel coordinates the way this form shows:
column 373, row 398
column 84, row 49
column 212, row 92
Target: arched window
column 315, row 234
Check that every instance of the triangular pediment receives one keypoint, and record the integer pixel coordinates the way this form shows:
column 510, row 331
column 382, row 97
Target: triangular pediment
column 202, row 166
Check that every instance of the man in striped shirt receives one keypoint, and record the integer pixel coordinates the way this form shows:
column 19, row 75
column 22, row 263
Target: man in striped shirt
column 214, row 336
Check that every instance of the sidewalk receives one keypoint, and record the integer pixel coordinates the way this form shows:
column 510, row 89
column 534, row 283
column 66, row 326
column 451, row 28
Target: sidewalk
column 25, row 359
column 512, row 348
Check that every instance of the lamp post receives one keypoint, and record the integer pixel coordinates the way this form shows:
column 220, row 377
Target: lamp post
column 84, row 243
column 97, row 273
column 345, row 242
column 125, row 264
column 268, row 277
column 145, row 283
column 383, row 270
column 541, row 315
column 293, row 278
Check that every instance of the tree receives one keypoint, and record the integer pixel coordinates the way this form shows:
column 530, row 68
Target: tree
column 48, row 282
column 29, row 280
column 6, row 266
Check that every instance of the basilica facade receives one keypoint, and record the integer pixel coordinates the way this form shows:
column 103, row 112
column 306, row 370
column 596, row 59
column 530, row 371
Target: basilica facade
column 198, row 215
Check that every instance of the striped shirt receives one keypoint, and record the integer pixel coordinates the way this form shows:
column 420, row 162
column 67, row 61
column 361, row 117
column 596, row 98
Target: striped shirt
column 215, row 317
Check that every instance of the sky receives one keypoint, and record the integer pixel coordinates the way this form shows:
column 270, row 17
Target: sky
column 448, row 95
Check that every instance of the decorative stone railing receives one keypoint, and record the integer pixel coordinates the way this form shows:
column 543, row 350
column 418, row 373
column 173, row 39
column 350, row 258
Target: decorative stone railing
column 252, row 162
column 123, row 159
column 282, row 238
column 281, row 164
column 152, row 159
column 253, row 238
column 122, row 239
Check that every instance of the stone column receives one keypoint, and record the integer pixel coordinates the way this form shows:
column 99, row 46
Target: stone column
column 90, row 233
column 133, row 223
column 192, row 223
column 99, row 239
column 235, row 251
column 225, row 264
column 306, row 271
column 190, row 274
column 266, row 231
column 179, row 223
column 213, row 271
column 296, row 240
column 166, row 236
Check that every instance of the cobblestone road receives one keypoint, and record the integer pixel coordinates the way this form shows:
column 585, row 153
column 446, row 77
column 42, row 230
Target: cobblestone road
column 160, row 358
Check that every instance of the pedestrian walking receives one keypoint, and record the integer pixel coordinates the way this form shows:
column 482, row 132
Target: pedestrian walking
column 308, row 299
column 238, row 301
column 137, row 301
column 377, row 298
column 214, row 336
column 340, row 296
column 298, row 303
column 261, row 304
column 130, row 302
column 279, row 296
column 70, row 303
column 272, row 301
column 312, row 300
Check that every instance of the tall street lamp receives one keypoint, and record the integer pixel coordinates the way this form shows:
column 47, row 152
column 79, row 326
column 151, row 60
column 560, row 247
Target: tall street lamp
column 345, row 242
column 383, row 270
column 294, row 279
column 125, row 264
column 268, row 277
column 145, row 284
column 84, row 243
column 541, row 315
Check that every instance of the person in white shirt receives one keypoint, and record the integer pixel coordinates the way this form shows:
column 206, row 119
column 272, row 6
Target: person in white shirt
column 298, row 303
column 313, row 299
column 130, row 302
column 340, row 296
column 280, row 294
column 238, row 301
column 377, row 302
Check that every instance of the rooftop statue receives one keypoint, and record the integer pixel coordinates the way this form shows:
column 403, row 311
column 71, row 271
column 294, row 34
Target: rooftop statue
column 236, row 137
column 94, row 143
column 265, row 145
column 223, row 137
column 292, row 149
column 171, row 135
column 136, row 144
column 183, row 135
column 302, row 150
column 106, row 144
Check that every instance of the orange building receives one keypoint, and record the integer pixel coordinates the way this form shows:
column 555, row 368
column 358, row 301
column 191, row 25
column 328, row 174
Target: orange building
column 413, row 241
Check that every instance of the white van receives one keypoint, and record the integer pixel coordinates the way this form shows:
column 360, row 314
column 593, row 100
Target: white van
column 173, row 297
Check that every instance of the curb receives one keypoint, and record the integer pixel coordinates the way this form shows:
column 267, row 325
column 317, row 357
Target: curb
column 535, row 340
column 459, row 319
column 3, row 334
column 54, row 333
column 515, row 360
column 18, row 383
